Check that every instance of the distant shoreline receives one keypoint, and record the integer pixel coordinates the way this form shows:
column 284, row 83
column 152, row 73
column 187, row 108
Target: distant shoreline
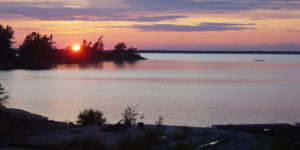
column 217, row 52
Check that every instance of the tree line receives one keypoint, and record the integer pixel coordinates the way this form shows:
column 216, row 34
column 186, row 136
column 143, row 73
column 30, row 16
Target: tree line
column 38, row 48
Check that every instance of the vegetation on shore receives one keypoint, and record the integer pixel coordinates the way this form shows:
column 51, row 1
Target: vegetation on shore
column 130, row 115
column 39, row 50
column 91, row 117
column 5, row 128
column 13, row 128
column 3, row 100
column 3, row 96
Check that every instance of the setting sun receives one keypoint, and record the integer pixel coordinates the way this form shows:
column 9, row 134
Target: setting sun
column 76, row 47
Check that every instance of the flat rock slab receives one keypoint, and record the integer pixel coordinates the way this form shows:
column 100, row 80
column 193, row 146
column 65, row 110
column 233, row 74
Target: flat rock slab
column 109, row 138
column 203, row 137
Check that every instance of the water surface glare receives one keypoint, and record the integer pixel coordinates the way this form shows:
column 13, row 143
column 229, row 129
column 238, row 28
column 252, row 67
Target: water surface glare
column 186, row 89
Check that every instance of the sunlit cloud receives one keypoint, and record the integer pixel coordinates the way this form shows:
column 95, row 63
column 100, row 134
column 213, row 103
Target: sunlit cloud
column 145, row 23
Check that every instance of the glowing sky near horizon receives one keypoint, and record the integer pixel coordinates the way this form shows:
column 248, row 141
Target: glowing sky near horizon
column 159, row 24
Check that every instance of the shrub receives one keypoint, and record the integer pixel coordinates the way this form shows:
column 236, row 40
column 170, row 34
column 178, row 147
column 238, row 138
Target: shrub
column 3, row 99
column 91, row 117
column 5, row 128
column 159, row 125
column 130, row 115
column 3, row 96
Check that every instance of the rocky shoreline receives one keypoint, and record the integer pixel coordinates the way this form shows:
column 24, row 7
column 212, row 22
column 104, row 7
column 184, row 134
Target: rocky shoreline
column 32, row 131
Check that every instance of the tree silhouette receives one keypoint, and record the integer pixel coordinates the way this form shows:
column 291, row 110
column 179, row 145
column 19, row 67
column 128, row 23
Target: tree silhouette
column 120, row 47
column 37, row 48
column 92, row 53
column 6, row 36
column 99, row 45
column 123, row 53
column 132, row 51
column 39, row 51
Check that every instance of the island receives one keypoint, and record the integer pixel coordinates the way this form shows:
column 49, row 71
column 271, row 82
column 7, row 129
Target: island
column 39, row 52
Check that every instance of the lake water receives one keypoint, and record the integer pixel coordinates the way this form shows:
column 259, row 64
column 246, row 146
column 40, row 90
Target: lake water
column 186, row 89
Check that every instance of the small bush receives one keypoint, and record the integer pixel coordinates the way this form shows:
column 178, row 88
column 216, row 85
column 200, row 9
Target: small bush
column 3, row 96
column 3, row 111
column 91, row 117
column 159, row 125
column 130, row 115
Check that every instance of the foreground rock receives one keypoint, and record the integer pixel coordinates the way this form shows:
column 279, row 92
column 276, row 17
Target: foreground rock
column 37, row 132
column 17, row 124
column 198, row 138
column 26, row 123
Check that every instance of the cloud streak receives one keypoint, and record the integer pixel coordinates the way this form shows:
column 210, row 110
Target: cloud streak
column 213, row 4
column 292, row 30
column 206, row 26
column 81, row 14
column 265, row 47
column 126, row 10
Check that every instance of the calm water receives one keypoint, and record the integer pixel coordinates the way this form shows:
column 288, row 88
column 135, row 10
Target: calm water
column 186, row 89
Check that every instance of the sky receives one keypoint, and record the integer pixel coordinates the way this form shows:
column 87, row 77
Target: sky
column 160, row 24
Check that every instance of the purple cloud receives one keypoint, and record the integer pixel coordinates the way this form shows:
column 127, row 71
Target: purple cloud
column 83, row 14
column 126, row 10
column 213, row 5
column 276, row 47
column 206, row 26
